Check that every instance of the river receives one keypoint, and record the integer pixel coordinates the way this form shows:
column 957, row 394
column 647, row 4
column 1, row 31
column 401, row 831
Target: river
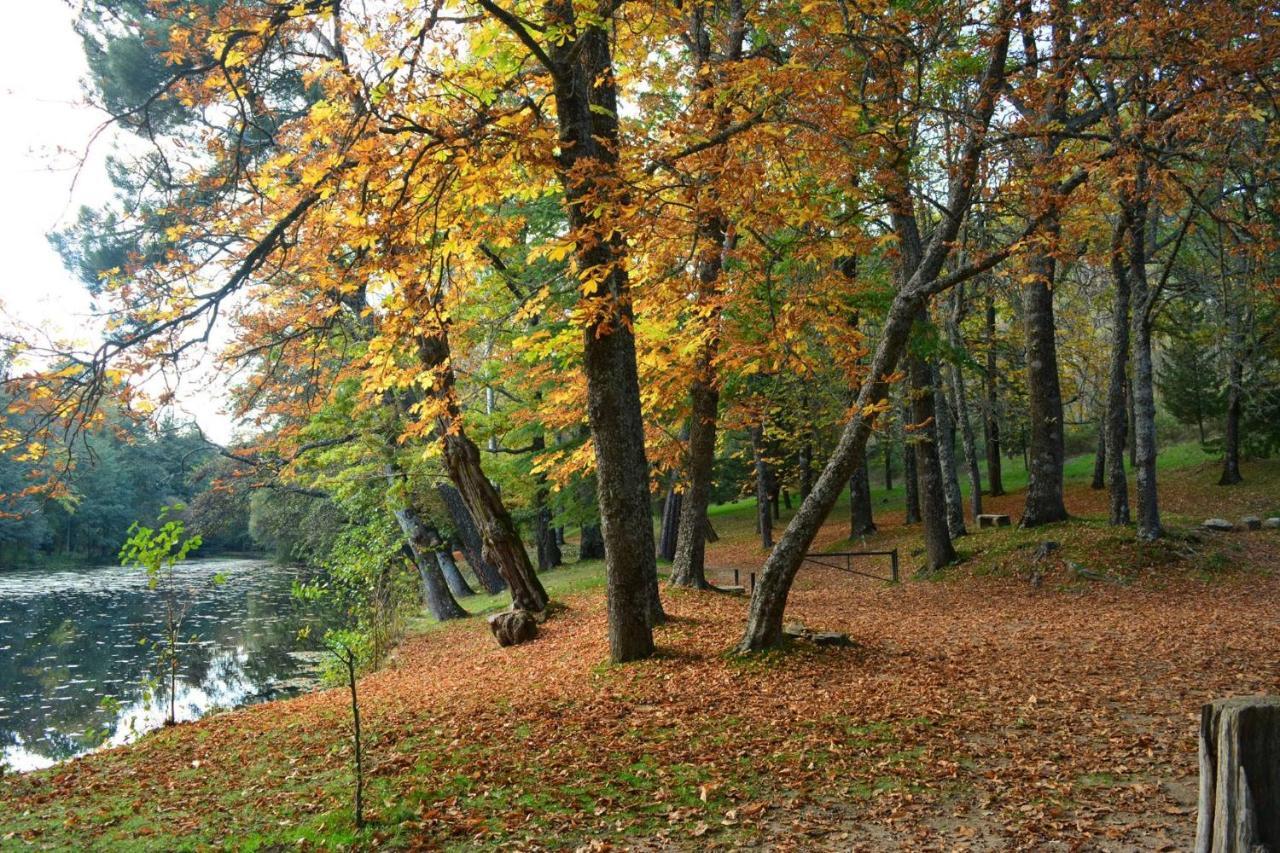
column 71, row 639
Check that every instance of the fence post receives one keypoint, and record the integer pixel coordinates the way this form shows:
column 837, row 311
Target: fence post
column 753, row 583
column 893, row 564
column 735, row 578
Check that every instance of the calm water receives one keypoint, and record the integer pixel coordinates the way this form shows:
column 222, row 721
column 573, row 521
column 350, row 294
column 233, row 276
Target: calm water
column 70, row 638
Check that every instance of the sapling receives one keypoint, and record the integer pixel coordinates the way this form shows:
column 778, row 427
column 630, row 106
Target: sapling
column 159, row 551
column 344, row 646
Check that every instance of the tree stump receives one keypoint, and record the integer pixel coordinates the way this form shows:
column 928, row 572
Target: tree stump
column 513, row 627
column 1239, row 776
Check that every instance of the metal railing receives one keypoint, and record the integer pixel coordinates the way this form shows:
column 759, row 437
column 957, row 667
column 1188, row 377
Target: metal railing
column 842, row 561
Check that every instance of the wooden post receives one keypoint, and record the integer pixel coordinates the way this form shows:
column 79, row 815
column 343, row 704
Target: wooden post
column 893, row 564
column 1239, row 776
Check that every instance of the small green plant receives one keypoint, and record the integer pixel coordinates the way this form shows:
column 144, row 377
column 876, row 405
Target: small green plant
column 158, row 551
column 349, row 648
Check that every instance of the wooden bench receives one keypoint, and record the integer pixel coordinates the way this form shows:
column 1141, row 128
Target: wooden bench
column 989, row 519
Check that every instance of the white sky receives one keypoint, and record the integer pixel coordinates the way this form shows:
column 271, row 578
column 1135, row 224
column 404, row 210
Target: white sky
column 47, row 129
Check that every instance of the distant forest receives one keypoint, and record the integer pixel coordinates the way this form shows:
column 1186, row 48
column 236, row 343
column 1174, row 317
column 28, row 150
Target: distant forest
column 122, row 474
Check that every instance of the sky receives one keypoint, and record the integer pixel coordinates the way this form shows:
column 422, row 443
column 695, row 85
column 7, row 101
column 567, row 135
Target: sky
column 48, row 127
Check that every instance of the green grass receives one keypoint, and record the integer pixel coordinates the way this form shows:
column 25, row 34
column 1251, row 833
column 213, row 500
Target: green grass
column 559, row 582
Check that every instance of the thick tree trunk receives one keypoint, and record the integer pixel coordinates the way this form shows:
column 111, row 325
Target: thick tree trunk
column 1044, row 502
column 1239, row 776
column 860, row 517
column 764, row 515
column 587, row 163
column 464, row 527
column 910, row 475
column 933, row 504
column 502, row 544
column 944, row 429
column 457, row 583
column 991, row 402
column 1118, row 380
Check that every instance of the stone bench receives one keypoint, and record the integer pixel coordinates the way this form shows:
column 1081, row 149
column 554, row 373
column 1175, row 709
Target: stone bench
column 990, row 519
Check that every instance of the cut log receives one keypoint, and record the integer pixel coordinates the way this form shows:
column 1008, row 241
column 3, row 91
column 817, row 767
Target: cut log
column 1217, row 524
column 513, row 627
column 1251, row 522
column 1239, row 776
column 1271, row 523
column 990, row 519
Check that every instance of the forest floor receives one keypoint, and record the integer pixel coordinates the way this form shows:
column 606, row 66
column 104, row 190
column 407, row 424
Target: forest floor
column 976, row 711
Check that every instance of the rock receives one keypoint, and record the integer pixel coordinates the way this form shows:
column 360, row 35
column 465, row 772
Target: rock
column 1083, row 573
column 795, row 629
column 988, row 519
column 1217, row 524
column 1271, row 523
column 1044, row 549
column 832, row 638
column 1251, row 522
column 513, row 627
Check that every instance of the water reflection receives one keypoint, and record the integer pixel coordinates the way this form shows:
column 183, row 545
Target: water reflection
column 70, row 638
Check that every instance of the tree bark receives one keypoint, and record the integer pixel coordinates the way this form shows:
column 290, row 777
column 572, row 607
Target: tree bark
column 1235, row 381
column 933, row 503
column 591, row 543
column 764, row 515
column 688, row 567
column 910, row 475
column 549, row 555
column 1144, row 403
column 958, row 392
column 1239, row 776
column 887, row 447
column 422, row 543
column 670, row 520
column 861, row 522
column 1118, row 379
column 1046, row 455
column 1100, row 456
column 464, row 526
column 945, row 435
column 991, row 407
column 587, row 164
column 457, row 583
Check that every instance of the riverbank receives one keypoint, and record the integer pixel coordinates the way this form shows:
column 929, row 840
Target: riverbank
column 977, row 710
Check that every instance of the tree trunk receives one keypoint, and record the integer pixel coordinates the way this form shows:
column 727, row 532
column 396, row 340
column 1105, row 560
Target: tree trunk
column 910, row 477
column 549, row 555
column 1044, row 502
column 464, row 527
column 764, row 516
column 991, row 408
column 587, row 165
column 1118, row 379
column 944, row 430
column 1231, row 435
column 806, row 469
column 422, row 546
column 670, row 520
column 1144, row 403
column 457, row 583
column 688, row 567
column 768, row 602
column 591, row 543
column 958, row 392
column 1239, row 776
column 1100, row 456
column 860, row 518
column 887, row 447
column 933, row 504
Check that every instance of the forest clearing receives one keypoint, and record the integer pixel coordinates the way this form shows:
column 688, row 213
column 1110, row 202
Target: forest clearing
column 975, row 712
